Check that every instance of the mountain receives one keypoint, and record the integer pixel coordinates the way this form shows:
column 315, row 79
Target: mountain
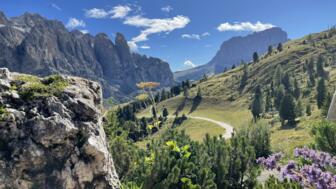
column 233, row 51
column 297, row 66
column 51, row 134
column 34, row 45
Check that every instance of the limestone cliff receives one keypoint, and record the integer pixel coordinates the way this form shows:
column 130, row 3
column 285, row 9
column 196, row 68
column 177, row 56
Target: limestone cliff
column 35, row 45
column 51, row 134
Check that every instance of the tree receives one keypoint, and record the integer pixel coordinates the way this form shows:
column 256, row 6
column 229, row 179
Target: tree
column 257, row 107
column 186, row 92
column 277, row 76
column 233, row 66
column 154, row 112
column 320, row 67
column 299, row 108
column 255, row 57
column 280, row 48
column 287, row 110
column 199, row 93
column 279, row 94
column 308, row 110
column 325, row 136
column 165, row 113
column 321, row 93
column 287, row 82
column 326, row 104
column 268, row 102
column 270, row 50
column 297, row 91
column 244, row 78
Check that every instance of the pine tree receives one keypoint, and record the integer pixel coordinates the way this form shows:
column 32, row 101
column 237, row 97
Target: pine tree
column 270, row 50
column 326, row 104
column 287, row 110
column 308, row 110
column 280, row 48
column 154, row 112
column 279, row 94
column 287, row 82
column 319, row 67
column 299, row 108
column 297, row 91
column 321, row 93
column 244, row 78
column 257, row 107
column 199, row 93
column 268, row 102
column 255, row 57
column 165, row 113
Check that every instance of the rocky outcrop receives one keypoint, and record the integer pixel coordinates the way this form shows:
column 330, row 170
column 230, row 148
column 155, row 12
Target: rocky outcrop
column 234, row 50
column 34, row 45
column 53, row 138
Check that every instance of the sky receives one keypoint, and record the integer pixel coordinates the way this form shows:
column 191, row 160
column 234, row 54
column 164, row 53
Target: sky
column 185, row 33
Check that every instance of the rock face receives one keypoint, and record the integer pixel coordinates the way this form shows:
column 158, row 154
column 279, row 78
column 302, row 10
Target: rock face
column 234, row 50
column 34, row 45
column 53, row 141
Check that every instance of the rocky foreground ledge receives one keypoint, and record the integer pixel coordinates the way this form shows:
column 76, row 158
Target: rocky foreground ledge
column 51, row 134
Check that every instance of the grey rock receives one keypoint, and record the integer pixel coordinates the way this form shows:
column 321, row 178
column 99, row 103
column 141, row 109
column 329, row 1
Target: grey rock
column 55, row 142
column 233, row 51
column 34, row 45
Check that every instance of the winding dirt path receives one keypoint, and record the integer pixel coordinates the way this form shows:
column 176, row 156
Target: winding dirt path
column 228, row 128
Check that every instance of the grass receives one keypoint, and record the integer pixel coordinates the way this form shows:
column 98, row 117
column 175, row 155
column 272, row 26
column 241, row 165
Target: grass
column 33, row 86
column 196, row 129
column 223, row 101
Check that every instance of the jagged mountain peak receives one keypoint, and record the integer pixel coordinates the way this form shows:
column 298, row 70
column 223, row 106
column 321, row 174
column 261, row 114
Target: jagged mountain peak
column 35, row 45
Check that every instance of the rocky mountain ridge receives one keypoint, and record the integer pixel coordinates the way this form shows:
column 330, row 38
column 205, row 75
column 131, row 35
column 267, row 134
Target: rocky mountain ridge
column 51, row 134
column 235, row 50
column 34, row 45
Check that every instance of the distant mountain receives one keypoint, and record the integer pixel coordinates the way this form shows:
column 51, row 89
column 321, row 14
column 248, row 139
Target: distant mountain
column 34, row 45
column 233, row 51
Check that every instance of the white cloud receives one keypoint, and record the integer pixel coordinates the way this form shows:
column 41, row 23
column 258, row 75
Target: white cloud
column 244, row 26
column 120, row 11
column 84, row 31
column 189, row 63
column 152, row 26
column 96, row 13
column 145, row 47
column 205, row 34
column 56, row 6
column 167, row 8
column 75, row 23
column 195, row 36
column 191, row 36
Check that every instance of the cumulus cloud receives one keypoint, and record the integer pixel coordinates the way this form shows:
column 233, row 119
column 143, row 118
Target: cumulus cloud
column 53, row 5
column 189, row 63
column 167, row 8
column 75, row 23
column 96, row 13
column 195, row 36
column 244, row 26
column 119, row 11
column 152, row 26
column 145, row 47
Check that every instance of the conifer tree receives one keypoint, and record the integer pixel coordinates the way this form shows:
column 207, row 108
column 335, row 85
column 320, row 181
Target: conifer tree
column 268, row 102
column 257, row 107
column 326, row 104
column 279, row 94
column 320, row 67
column 270, row 50
column 287, row 110
column 321, row 93
column 165, row 112
column 280, row 48
column 308, row 110
column 244, row 78
column 255, row 57
column 297, row 91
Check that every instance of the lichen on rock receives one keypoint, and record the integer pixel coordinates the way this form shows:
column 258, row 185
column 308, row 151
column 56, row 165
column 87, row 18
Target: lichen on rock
column 54, row 138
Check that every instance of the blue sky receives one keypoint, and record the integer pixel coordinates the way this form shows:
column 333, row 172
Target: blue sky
column 184, row 33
